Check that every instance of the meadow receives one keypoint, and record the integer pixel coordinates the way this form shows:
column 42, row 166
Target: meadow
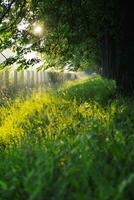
column 75, row 143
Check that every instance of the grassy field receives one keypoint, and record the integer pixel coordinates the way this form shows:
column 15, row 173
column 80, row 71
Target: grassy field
column 73, row 144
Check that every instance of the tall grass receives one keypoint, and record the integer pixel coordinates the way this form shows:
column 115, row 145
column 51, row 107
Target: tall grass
column 68, row 146
column 93, row 88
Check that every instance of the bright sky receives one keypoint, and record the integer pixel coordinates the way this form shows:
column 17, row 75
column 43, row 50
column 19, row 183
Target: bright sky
column 7, row 53
column 23, row 25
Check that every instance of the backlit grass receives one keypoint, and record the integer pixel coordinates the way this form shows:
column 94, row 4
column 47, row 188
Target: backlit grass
column 65, row 147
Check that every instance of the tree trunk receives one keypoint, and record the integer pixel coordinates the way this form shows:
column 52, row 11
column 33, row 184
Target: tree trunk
column 118, row 52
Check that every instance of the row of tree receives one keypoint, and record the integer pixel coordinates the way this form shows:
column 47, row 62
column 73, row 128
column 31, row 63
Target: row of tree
column 83, row 33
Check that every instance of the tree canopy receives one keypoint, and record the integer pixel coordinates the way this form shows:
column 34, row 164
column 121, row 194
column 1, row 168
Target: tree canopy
column 71, row 29
column 82, row 33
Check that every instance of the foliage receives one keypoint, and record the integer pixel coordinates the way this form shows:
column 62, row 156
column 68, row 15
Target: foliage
column 52, row 148
column 73, row 36
column 14, row 14
column 72, row 31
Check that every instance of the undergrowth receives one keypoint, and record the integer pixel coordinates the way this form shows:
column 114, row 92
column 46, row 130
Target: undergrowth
column 67, row 145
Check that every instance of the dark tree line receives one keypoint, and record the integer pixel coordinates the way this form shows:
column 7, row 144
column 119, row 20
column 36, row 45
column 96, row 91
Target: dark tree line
column 98, row 30
column 118, row 48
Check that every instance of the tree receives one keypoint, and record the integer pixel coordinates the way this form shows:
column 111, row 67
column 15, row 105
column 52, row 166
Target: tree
column 118, row 48
column 12, row 14
column 84, row 33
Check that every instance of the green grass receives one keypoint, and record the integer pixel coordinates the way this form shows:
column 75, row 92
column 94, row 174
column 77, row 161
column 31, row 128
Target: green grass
column 93, row 88
column 56, row 146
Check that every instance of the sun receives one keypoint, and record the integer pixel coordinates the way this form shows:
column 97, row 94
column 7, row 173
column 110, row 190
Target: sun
column 37, row 30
